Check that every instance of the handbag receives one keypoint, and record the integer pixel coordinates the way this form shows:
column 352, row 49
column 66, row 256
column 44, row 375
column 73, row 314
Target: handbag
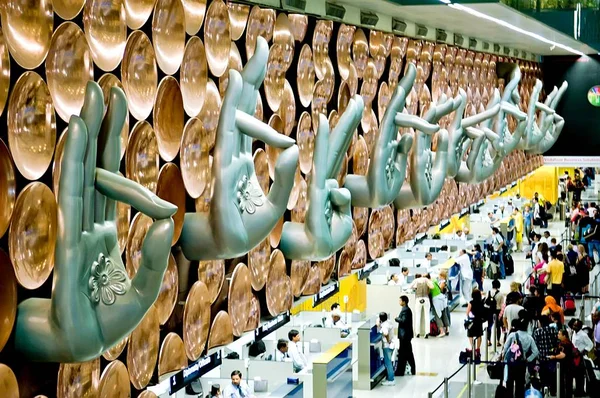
column 495, row 370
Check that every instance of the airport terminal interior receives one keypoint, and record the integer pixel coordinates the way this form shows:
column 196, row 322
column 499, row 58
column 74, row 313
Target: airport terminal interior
column 299, row 198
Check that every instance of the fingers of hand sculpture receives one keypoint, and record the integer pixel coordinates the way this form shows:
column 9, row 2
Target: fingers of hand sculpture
column 513, row 111
column 415, row 122
column 70, row 194
column 388, row 129
column 559, row 94
column 461, row 105
column 109, row 150
column 408, row 80
column 227, row 144
column 544, row 108
column 481, row 117
column 404, row 145
column 254, row 128
column 91, row 113
column 254, row 74
column 320, row 154
column 341, row 136
column 441, row 109
column 279, row 193
column 341, row 198
column 120, row 189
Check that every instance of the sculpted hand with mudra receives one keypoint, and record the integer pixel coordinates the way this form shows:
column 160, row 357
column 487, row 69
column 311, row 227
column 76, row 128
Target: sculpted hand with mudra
column 94, row 304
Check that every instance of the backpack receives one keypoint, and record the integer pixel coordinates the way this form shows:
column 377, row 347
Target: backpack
column 490, row 302
column 477, row 264
column 515, row 353
column 568, row 304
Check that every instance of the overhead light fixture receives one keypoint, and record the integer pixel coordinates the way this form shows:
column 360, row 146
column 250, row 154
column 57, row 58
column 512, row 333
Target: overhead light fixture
column 485, row 45
column 422, row 31
column 297, row 5
column 446, row 1
column 458, row 40
column 472, row 43
column 496, row 48
column 441, row 35
column 335, row 10
column 398, row 26
column 481, row 15
column 368, row 18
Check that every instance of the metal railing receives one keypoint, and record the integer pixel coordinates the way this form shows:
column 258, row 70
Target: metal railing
column 445, row 384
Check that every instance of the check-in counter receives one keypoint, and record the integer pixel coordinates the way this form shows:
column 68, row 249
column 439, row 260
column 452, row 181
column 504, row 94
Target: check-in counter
column 332, row 372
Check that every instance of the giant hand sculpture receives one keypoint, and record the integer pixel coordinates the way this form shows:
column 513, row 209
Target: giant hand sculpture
column 508, row 141
column 240, row 215
column 328, row 223
column 387, row 166
column 555, row 125
column 427, row 175
column 536, row 129
column 94, row 304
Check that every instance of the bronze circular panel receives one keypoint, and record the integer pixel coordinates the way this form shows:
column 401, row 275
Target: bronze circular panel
column 326, row 267
column 196, row 320
column 202, row 203
column 137, row 233
column 360, row 216
column 343, row 97
column 147, row 394
column 141, row 159
column 279, row 286
column 78, row 380
column 123, row 217
column 273, row 152
column 167, row 297
column 360, row 52
column 142, row 351
column 360, row 162
column 8, row 381
column 235, row 62
column 8, row 187
column 275, row 77
column 387, row 228
column 344, row 264
column 194, row 15
column 375, row 235
column 313, row 281
column 106, row 82
column 299, row 275
column 212, row 274
column 360, row 257
column 67, row 9
column 305, row 78
column 28, row 27
column 287, row 109
column 4, row 71
column 299, row 211
column 172, row 355
column 105, row 26
column 238, row 17
column 217, row 37
column 261, row 167
column 221, row 331
column 368, row 89
column 320, row 45
column 259, row 262
column 275, row 235
column 35, row 216
column 299, row 24
column 194, row 157
column 254, row 315
column 239, row 298
column 210, row 111
column 282, row 35
column 194, row 76
column 383, row 98
column 114, row 352
column 319, row 103
column 8, row 299
column 295, row 193
column 261, row 22
column 344, row 47
column 350, row 245
column 114, row 382
column 31, row 126
column 138, row 12
column 168, row 34
column 168, row 118
column 139, row 74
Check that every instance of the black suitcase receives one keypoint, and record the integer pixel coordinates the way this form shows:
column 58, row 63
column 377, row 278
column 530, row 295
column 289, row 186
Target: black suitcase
column 591, row 381
column 509, row 264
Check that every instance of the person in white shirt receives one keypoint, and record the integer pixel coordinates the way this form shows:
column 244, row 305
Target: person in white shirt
column 295, row 351
column 459, row 235
column 509, row 207
column 395, row 280
column 385, row 327
column 281, row 355
column 466, row 276
column 584, row 344
column 237, row 388
column 501, row 212
column 546, row 238
column 512, row 309
column 427, row 262
column 335, row 320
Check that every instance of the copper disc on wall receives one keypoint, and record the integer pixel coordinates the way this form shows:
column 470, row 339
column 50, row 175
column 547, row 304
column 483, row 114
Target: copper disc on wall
column 282, row 35
column 147, row 394
column 360, row 216
column 141, row 160
column 313, row 281
column 360, row 257
column 275, row 77
column 375, row 235
column 202, row 203
column 275, row 235
column 235, row 63
column 194, row 76
column 261, row 22
column 217, row 37
column 8, row 381
column 279, row 286
column 259, row 262
column 138, row 12
column 106, row 82
column 360, row 163
column 168, row 34
column 299, row 24
column 114, row 382
column 105, row 29
column 168, row 118
column 209, row 115
column 238, row 17
column 194, row 157
column 67, row 9
column 139, row 74
column 299, row 275
column 194, row 15
column 196, row 320
column 77, row 380
column 383, row 98
column 4, row 71
column 254, row 315
column 345, row 38
column 319, row 103
column 344, row 264
column 8, row 188
column 239, row 298
column 261, row 167
column 172, row 355
column 31, row 126
column 114, row 352
column 299, row 211
column 287, row 109
column 33, row 21
column 137, row 233
column 360, row 52
column 142, row 351
column 273, row 152
column 295, row 193
column 326, row 267
column 212, row 274
column 35, row 216
column 123, row 217
column 387, row 228
column 368, row 89
column 320, row 45
column 221, row 331
column 167, row 297
column 350, row 245
column 8, row 299
column 305, row 77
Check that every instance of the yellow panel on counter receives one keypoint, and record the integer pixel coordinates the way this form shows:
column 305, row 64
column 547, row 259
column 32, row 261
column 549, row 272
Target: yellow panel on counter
column 331, row 353
column 349, row 286
column 544, row 181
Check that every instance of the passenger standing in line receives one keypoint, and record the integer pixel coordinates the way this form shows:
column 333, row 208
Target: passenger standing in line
column 405, row 335
column 384, row 326
column 466, row 276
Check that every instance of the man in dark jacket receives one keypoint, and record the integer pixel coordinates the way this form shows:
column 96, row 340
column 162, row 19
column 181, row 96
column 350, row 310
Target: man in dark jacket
column 405, row 335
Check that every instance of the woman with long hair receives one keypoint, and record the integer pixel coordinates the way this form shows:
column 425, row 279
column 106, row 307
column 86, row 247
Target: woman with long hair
column 583, row 267
column 476, row 316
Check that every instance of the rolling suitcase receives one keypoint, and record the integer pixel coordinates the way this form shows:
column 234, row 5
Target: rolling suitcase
column 509, row 264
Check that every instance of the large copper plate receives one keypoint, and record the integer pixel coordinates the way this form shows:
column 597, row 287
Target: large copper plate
column 212, row 274
column 67, row 9
column 259, row 261
column 137, row 233
column 106, row 82
column 360, row 162
column 78, row 380
column 344, row 265
column 387, row 228
column 275, row 235
column 305, row 78
column 142, row 351
column 221, row 331
column 360, row 52
column 194, row 76
column 4, row 71
column 287, row 109
column 105, row 27
column 139, row 74
column 313, row 281
column 350, row 245
column 28, row 27
column 194, row 157
column 31, row 125
column 172, row 355
column 210, row 111
column 8, row 298
column 383, row 98
column 261, row 22
column 138, row 12
column 360, row 216
column 168, row 34
column 343, row 97
column 168, row 118
column 141, row 158
column 235, row 63
column 238, row 17
column 299, row 24
column 35, row 216
column 114, row 352
column 114, row 382
column 8, row 382
column 299, row 276
column 319, row 103
column 320, row 45
column 295, row 193
column 202, row 203
column 360, row 257
column 279, row 286
column 217, row 37
column 375, row 235
column 147, row 394
column 254, row 315
column 275, row 77
column 194, row 15
column 282, row 35
column 261, row 167
column 239, row 298
column 344, row 46
column 368, row 89
column 8, row 187
column 273, row 152
column 326, row 267
column 167, row 297
column 299, row 211
column 123, row 217
column 196, row 320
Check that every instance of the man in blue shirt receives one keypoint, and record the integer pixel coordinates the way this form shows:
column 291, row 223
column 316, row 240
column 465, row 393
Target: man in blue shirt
column 237, row 388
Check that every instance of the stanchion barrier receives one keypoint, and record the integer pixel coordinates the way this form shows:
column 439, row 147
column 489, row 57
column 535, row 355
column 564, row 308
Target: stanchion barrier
column 469, row 382
column 446, row 388
column 445, row 383
column 558, row 380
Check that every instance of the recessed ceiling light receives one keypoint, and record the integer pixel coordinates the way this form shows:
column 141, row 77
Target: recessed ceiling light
column 478, row 14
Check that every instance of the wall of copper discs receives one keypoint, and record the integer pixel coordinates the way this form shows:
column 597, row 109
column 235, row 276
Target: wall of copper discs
column 172, row 57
